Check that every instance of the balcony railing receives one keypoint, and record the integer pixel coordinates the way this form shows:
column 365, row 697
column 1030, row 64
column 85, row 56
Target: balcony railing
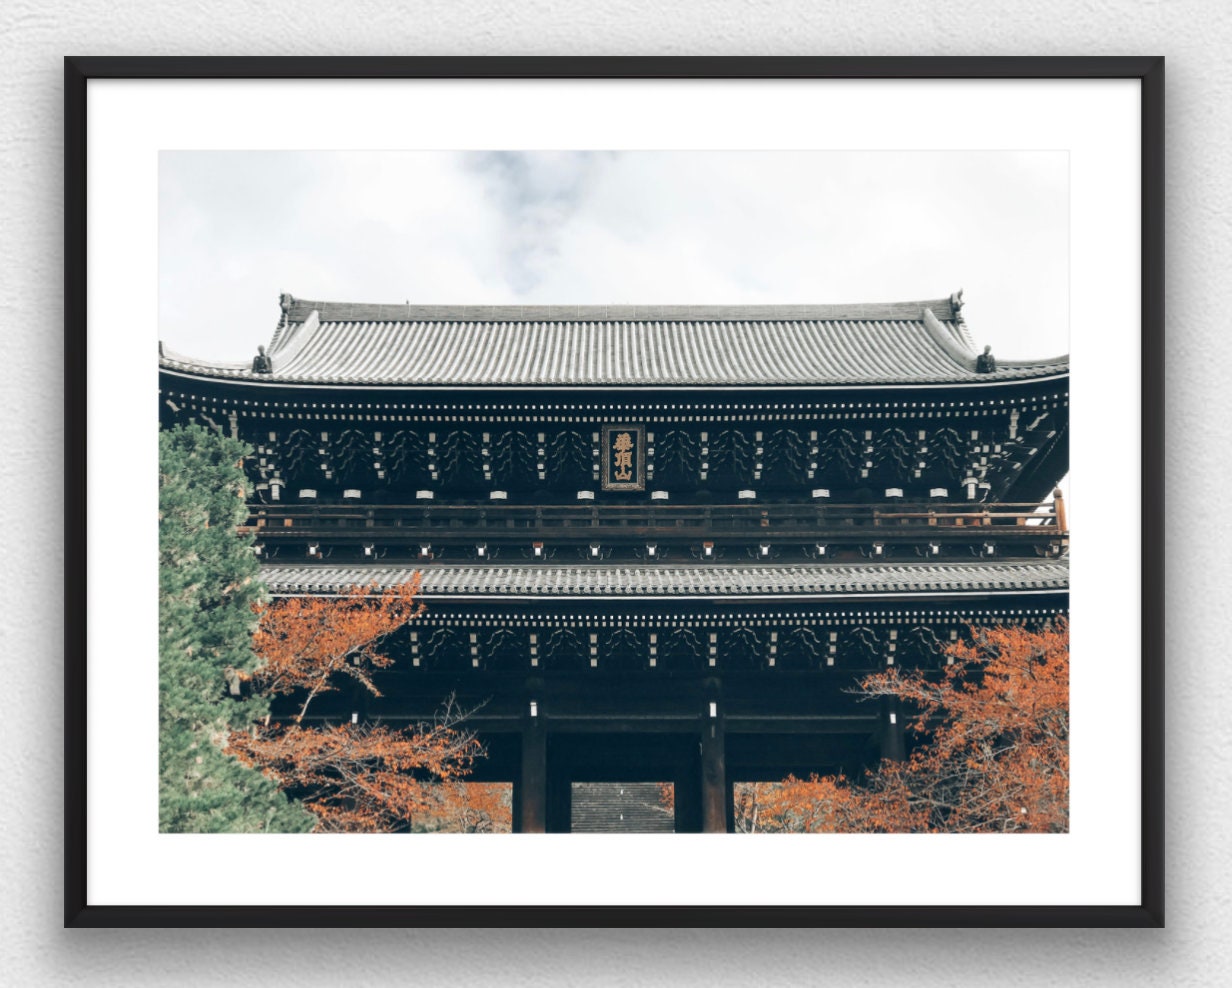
column 630, row 521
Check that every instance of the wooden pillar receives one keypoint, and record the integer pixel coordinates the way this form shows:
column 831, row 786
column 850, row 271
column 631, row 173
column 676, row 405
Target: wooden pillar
column 1058, row 503
column 714, row 769
column 532, row 787
column 893, row 730
column 559, row 798
column 687, row 797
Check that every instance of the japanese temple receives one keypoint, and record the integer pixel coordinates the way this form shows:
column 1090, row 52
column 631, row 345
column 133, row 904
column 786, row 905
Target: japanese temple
column 659, row 544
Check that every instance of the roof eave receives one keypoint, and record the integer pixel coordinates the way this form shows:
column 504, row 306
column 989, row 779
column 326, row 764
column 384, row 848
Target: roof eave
column 272, row 381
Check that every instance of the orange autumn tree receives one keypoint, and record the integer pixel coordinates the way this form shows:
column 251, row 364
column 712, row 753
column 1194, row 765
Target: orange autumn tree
column 308, row 645
column 363, row 779
column 358, row 778
column 993, row 757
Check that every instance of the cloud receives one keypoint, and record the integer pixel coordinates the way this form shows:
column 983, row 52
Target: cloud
column 536, row 197
column 577, row 226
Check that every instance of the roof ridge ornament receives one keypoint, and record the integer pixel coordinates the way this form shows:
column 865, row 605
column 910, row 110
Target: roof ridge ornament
column 285, row 301
column 986, row 363
column 261, row 363
column 956, row 304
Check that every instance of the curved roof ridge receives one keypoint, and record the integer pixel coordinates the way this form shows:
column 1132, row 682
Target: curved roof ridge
column 1060, row 360
column 173, row 358
column 951, row 343
column 290, row 340
column 327, row 311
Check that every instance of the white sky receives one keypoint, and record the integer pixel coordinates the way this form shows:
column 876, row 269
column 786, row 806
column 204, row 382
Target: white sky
column 718, row 227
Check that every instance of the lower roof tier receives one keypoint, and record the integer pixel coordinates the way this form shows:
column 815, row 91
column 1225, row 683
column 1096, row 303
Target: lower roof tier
column 535, row 581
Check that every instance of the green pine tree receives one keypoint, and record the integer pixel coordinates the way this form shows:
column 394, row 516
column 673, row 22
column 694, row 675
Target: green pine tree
column 207, row 585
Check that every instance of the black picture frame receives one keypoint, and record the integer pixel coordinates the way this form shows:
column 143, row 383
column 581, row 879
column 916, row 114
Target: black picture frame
column 1147, row 71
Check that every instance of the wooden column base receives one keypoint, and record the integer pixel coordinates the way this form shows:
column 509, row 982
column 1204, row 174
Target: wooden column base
column 714, row 778
column 532, row 788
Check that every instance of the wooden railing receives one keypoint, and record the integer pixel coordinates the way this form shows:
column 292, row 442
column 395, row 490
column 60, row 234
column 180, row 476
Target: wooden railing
column 695, row 520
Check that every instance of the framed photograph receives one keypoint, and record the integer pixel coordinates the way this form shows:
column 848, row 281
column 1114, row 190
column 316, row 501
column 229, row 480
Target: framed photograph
column 614, row 492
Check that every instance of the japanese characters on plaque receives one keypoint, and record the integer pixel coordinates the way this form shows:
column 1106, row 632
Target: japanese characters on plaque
column 624, row 458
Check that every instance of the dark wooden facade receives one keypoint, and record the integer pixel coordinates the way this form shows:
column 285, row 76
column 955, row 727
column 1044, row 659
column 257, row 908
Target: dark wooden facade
column 642, row 573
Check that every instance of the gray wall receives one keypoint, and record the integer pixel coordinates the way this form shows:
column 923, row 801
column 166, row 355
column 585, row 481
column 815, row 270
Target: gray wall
column 1194, row 35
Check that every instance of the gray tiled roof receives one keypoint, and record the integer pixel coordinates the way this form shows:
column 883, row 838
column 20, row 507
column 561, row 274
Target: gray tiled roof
column 443, row 581
column 341, row 343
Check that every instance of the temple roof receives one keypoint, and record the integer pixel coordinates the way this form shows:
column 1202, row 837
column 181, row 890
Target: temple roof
column 445, row 580
column 335, row 343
